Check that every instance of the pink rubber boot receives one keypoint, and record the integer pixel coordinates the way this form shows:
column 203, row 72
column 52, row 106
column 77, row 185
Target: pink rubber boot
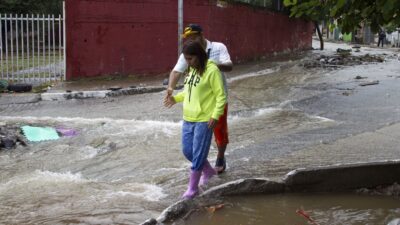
column 208, row 172
column 193, row 188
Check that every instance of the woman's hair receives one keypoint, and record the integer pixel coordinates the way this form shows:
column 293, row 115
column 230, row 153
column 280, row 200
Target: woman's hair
column 194, row 48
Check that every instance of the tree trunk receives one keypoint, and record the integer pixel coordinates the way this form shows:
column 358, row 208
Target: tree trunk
column 321, row 40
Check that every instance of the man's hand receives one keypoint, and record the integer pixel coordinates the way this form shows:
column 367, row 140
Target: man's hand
column 168, row 94
column 212, row 123
column 169, row 101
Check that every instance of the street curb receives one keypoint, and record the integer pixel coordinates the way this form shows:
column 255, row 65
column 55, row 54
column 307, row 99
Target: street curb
column 9, row 99
column 24, row 98
column 60, row 96
column 336, row 178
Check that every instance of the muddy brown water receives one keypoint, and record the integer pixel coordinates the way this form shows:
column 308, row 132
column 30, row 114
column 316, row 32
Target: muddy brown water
column 299, row 209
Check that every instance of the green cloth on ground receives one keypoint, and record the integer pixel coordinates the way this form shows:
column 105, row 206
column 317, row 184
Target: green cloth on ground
column 40, row 133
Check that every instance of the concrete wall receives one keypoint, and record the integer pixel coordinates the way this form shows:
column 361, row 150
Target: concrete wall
column 107, row 37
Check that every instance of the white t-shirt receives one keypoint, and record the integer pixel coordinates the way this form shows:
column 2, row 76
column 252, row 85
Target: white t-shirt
column 218, row 53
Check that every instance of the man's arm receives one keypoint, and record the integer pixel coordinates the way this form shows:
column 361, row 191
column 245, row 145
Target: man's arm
column 174, row 77
column 176, row 73
column 227, row 67
column 224, row 59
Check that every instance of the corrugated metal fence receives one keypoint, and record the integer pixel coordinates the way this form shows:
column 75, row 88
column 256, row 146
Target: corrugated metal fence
column 32, row 48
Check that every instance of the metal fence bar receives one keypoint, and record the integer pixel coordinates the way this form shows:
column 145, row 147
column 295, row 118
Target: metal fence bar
column 38, row 48
column 22, row 46
column 12, row 49
column 64, row 43
column 49, row 48
column 54, row 50
column 44, row 46
column 1, row 47
column 33, row 42
column 59, row 43
column 27, row 43
column 6, row 34
column 16, row 43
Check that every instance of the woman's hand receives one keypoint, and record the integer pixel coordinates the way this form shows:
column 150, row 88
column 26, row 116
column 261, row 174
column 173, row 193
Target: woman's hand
column 212, row 123
column 169, row 101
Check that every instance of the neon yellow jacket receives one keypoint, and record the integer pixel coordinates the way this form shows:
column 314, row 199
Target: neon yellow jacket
column 203, row 96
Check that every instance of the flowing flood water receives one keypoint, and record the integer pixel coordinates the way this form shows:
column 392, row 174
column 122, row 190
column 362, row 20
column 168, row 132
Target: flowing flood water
column 290, row 209
column 125, row 165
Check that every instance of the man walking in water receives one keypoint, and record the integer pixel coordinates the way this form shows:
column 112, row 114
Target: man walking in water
column 218, row 53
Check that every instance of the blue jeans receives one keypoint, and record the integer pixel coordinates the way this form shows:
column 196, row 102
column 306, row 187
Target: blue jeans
column 196, row 141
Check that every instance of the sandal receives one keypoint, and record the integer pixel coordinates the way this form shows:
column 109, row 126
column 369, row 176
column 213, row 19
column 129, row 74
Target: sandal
column 220, row 163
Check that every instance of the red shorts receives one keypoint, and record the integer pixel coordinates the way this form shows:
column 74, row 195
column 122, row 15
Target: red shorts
column 221, row 129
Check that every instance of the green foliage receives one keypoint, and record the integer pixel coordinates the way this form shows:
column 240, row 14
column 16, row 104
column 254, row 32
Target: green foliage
column 269, row 4
column 349, row 14
column 389, row 28
column 31, row 6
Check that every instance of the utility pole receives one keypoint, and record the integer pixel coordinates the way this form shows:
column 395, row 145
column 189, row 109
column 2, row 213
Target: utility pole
column 180, row 25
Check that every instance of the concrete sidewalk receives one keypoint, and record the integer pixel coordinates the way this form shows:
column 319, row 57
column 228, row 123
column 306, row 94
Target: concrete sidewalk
column 89, row 88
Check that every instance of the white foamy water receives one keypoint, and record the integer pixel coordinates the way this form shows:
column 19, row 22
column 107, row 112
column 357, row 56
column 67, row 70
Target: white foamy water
column 118, row 126
column 38, row 179
column 253, row 113
column 88, row 121
column 322, row 119
column 148, row 192
column 253, row 74
column 43, row 177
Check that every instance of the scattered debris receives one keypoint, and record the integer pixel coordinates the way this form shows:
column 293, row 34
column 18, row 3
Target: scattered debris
column 212, row 209
column 373, row 82
column 10, row 137
column 346, row 93
column 339, row 50
column 358, row 77
column 44, row 87
column 304, row 214
column 19, row 87
column 36, row 134
column 67, row 132
column 97, row 142
column 114, row 88
column 391, row 190
column 339, row 60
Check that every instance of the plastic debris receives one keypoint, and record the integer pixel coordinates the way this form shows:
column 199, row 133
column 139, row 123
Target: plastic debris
column 307, row 216
column 36, row 134
column 212, row 209
column 67, row 132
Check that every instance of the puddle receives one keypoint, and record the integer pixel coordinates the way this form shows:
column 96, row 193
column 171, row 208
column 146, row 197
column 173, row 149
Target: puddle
column 332, row 209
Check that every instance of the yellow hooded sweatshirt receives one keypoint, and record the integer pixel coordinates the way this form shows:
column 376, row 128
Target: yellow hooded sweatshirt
column 203, row 96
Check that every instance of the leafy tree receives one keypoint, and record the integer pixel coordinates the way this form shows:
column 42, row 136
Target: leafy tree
column 389, row 28
column 349, row 14
column 31, row 6
column 27, row 7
